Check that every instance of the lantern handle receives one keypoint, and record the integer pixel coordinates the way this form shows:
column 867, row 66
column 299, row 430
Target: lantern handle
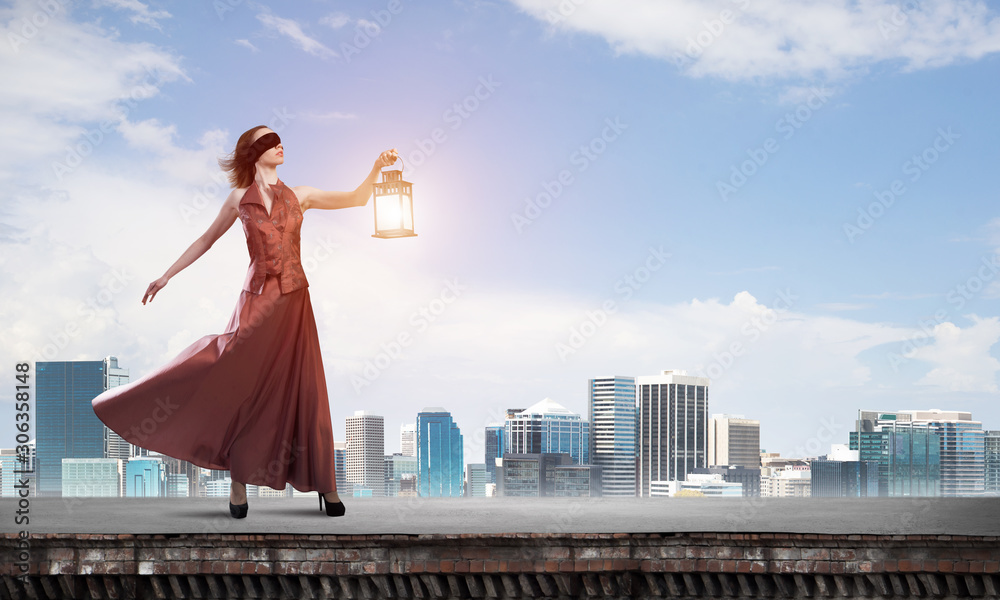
column 401, row 165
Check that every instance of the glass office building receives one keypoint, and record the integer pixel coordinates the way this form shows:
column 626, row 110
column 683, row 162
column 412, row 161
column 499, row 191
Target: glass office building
column 548, row 427
column 844, row 479
column 611, row 409
column 991, row 462
column 440, row 459
column 146, row 478
column 67, row 426
column 908, row 456
column 914, row 464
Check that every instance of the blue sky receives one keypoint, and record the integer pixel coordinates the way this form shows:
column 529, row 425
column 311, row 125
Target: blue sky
column 570, row 162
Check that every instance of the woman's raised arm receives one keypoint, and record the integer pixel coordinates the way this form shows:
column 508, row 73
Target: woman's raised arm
column 225, row 219
column 310, row 197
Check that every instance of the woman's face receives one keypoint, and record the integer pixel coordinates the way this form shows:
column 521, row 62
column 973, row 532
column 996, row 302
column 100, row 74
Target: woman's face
column 272, row 157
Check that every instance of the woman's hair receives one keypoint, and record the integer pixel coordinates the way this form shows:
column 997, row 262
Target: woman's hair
column 240, row 172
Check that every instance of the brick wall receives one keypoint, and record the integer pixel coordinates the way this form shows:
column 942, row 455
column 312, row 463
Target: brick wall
column 502, row 566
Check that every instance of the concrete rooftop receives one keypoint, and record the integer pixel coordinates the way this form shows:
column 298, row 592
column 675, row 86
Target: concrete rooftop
column 301, row 515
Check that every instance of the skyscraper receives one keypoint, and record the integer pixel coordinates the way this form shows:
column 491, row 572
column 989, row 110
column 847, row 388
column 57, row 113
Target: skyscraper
column 408, row 439
column 146, row 477
column 962, row 450
column 672, row 427
column 67, row 425
column 366, row 451
column 908, row 454
column 733, row 440
column 440, row 460
column 549, row 427
column 611, row 409
column 495, row 447
column 991, row 462
column 476, row 480
column 114, row 445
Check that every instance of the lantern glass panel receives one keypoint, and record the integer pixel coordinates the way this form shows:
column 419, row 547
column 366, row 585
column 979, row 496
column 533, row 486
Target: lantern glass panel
column 388, row 212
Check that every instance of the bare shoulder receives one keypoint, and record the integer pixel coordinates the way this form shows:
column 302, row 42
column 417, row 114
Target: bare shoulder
column 305, row 194
column 234, row 197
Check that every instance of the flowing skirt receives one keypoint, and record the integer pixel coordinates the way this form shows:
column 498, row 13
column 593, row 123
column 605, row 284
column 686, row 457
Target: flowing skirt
column 252, row 400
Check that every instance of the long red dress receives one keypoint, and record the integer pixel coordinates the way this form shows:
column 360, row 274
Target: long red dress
column 253, row 399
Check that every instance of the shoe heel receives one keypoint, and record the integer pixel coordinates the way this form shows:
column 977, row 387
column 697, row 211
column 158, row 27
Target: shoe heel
column 332, row 510
column 239, row 511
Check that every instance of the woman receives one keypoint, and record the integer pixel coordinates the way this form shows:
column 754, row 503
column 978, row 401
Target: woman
column 251, row 400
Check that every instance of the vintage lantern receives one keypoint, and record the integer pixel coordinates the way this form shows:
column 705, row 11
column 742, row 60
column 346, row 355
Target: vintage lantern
column 393, row 205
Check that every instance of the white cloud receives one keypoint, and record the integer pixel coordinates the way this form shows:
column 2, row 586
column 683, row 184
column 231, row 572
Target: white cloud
column 183, row 165
column 770, row 39
column 293, row 31
column 335, row 20
column 247, row 44
column 68, row 82
column 140, row 12
column 842, row 306
column 961, row 357
column 328, row 116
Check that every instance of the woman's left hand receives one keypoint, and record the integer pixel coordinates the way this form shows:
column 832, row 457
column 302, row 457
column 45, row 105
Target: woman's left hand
column 386, row 158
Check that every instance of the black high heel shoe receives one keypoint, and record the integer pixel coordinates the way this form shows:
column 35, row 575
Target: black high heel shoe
column 239, row 511
column 332, row 510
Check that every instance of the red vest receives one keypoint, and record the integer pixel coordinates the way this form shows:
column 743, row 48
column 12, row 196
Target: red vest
column 273, row 240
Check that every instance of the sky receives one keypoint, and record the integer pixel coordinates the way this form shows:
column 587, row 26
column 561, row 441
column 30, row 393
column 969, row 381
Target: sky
column 799, row 204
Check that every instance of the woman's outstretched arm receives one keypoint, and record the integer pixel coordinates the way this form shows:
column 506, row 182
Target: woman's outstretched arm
column 310, row 197
column 227, row 216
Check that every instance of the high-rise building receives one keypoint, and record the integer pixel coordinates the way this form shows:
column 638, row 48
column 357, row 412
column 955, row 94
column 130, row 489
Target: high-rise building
column 548, row 427
column 991, row 462
column 146, row 478
column 733, row 440
column 397, row 468
column 611, row 409
column 366, row 451
column 114, row 445
column 962, row 450
column 495, row 447
column 908, row 454
column 476, row 480
column 67, row 426
column 440, row 459
column 408, row 439
column 672, row 427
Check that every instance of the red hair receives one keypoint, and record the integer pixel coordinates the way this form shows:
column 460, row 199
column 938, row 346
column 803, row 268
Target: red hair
column 240, row 173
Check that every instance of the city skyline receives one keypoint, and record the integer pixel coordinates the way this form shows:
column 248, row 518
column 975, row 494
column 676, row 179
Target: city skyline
column 906, row 453
column 798, row 208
